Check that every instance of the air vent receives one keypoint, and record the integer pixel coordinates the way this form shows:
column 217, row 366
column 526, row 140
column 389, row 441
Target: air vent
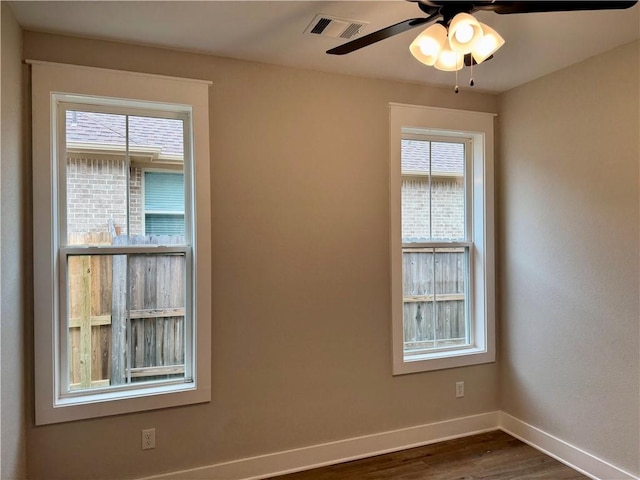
column 334, row 27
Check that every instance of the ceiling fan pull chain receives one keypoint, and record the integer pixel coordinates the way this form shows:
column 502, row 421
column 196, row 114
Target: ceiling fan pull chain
column 471, row 81
column 457, row 89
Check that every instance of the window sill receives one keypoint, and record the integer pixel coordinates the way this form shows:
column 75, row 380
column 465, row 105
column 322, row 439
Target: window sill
column 425, row 362
column 115, row 403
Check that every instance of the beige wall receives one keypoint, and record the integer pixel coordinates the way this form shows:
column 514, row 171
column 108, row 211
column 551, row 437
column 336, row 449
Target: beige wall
column 301, row 326
column 15, row 243
column 568, row 255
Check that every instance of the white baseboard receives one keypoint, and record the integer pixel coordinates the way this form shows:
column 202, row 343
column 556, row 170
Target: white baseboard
column 570, row 455
column 279, row 463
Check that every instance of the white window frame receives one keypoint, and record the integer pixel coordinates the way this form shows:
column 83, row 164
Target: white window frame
column 143, row 208
column 51, row 84
column 477, row 127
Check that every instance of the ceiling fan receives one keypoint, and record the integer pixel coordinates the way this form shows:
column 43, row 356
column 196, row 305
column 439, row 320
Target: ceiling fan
column 456, row 39
column 443, row 12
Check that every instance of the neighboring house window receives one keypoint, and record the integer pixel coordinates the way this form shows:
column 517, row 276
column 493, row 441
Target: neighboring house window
column 163, row 203
column 122, row 316
column 442, row 238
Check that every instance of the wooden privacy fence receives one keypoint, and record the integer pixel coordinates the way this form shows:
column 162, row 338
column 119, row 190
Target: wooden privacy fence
column 433, row 298
column 110, row 343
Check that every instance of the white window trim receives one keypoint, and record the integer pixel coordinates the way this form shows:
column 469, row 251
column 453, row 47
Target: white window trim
column 452, row 123
column 129, row 87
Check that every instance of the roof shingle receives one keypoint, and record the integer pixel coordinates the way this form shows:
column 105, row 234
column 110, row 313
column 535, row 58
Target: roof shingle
column 447, row 157
column 110, row 129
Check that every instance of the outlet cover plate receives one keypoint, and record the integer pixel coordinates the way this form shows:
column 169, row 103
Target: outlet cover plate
column 148, row 439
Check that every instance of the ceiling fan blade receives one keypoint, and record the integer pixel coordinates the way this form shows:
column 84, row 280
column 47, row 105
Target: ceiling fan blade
column 505, row 7
column 382, row 34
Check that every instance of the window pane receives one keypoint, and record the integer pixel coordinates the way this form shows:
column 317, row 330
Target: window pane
column 114, row 340
column 157, row 313
column 416, row 193
column 164, row 135
column 96, row 177
column 447, row 190
column 160, row 144
column 433, row 196
column 418, row 289
column 434, row 298
column 450, row 297
column 104, row 188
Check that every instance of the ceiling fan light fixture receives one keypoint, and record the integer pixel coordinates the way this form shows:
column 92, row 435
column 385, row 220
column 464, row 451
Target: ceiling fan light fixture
column 490, row 42
column 464, row 32
column 449, row 61
column 427, row 46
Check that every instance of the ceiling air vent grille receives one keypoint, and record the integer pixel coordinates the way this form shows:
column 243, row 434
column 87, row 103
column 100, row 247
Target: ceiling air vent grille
column 329, row 26
column 321, row 25
column 352, row 30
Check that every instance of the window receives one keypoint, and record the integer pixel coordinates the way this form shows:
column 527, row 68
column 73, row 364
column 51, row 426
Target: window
column 435, row 246
column 441, row 245
column 122, row 313
column 163, row 203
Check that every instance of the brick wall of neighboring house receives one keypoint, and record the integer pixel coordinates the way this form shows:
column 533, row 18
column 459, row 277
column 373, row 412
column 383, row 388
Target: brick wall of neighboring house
column 96, row 194
column 448, row 208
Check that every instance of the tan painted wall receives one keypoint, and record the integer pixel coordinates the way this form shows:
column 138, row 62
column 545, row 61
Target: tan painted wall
column 15, row 242
column 568, row 255
column 301, row 327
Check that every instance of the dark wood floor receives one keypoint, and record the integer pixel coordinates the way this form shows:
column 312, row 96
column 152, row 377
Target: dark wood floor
column 493, row 455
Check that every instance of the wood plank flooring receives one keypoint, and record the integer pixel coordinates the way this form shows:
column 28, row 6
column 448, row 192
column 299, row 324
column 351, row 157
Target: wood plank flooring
column 487, row 456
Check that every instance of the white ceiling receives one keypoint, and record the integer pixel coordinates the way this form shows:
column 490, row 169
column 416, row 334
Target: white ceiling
column 272, row 32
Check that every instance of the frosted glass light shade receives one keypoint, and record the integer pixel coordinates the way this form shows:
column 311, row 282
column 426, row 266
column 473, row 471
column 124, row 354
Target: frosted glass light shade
column 490, row 42
column 449, row 61
column 428, row 45
column 464, row 32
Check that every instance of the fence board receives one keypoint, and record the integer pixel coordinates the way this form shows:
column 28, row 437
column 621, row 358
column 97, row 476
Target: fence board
column 118, row 314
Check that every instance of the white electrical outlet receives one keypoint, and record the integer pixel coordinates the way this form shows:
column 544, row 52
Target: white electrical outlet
column 148, row 439
column 459, row 389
